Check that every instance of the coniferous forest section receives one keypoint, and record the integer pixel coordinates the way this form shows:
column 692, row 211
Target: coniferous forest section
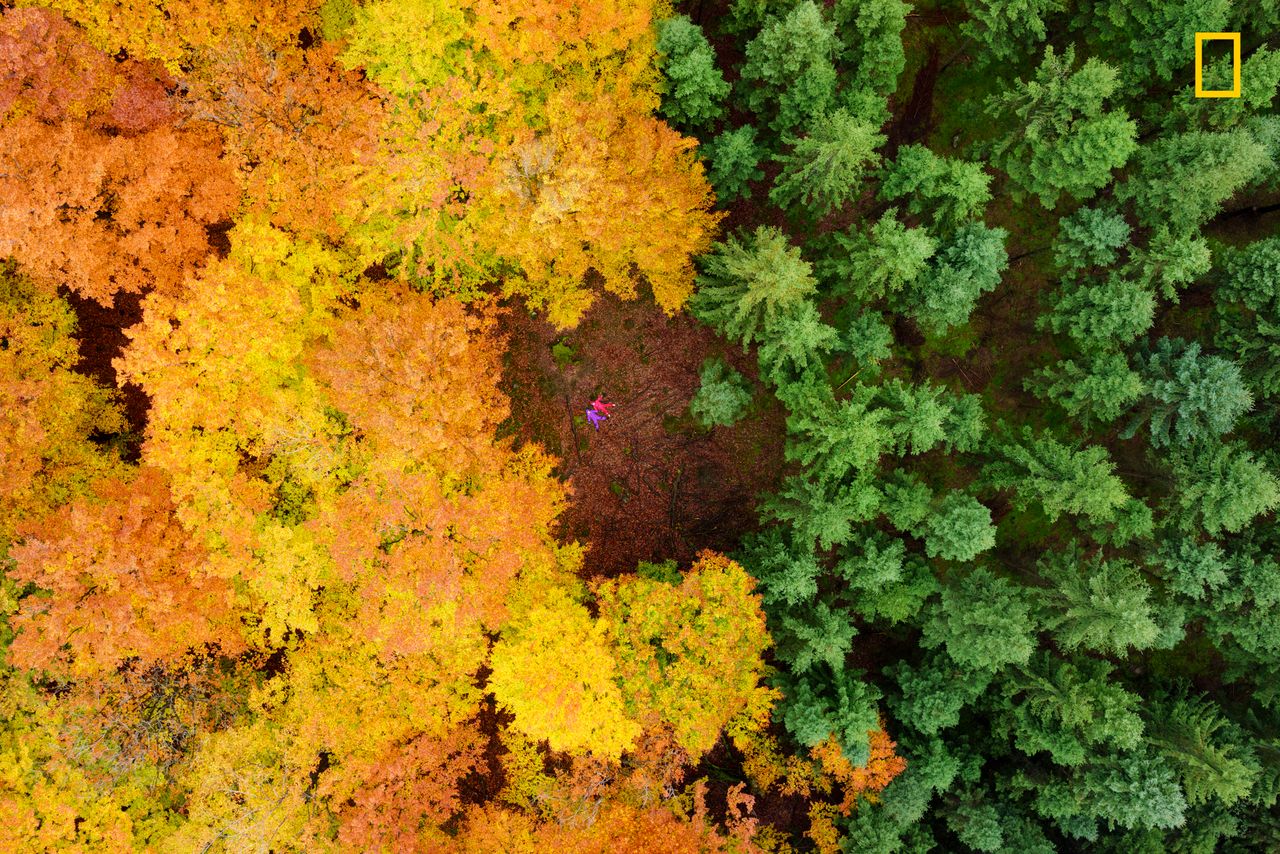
column 635, row 426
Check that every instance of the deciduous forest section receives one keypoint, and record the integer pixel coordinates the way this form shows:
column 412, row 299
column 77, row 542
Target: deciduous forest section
column 633, row 426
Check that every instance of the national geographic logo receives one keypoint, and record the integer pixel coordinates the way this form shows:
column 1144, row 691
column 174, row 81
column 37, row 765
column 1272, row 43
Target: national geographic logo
column 1234, row 91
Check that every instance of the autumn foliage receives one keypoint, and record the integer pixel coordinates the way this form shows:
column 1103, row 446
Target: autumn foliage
column 100, row 191
column 315, row 600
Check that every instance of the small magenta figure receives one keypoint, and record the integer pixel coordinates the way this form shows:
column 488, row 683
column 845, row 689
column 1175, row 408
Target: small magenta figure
column 600, row 406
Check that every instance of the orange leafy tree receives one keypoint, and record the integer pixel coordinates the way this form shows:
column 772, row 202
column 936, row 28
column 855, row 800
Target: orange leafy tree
column 125, row 580
column 98, row 190
column 169, row 33
column 295, row 125
column 861, row 782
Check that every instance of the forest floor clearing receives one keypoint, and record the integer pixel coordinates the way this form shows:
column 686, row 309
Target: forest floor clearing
column 650, row 485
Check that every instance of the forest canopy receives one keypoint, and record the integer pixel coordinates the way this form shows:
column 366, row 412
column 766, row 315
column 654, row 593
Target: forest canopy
column 927, row 497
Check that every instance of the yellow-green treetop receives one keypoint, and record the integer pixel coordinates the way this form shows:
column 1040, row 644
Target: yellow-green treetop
column 688, row 654
column 47, row 411
column 522, row 145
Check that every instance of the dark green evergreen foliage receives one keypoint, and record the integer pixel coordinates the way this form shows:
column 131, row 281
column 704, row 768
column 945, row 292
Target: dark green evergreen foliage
column 788, row 573
column 792, row 346
column 968, row 265
column 1243, row 617
column 922, row 417
column 790, row 75
column 976, row 824
column 1169, row 261
column 1221, row 486
column 1180, row 181
column 824, row 512
column 825, row 167
column 748, row 16
column 907, row 500
column 1191, row 396
column 1090, row 237
column 833, row 439
column 935, row 691
column 1030, row 669
column 870, row 33
column 1058, row 477
column 1073, row 710
column 823, row 702
column 723, row 396
column 1096, row 604
column 1259, row 80
column 1252, row 275
column 1256, row 340
column 1206, row 750
column 1097, row 390
column 931, row 770
column 1156, row 37
column 813, row 634
column 958, row 527
column 984, row 622
column 734, row 161
column 868, row 339
column 948, row 192
column 748, row 281
column 884, row 259
column 901, row 599
column 1249, row 312
column 695, row 86
column 887, row 583
column 1129, row 789
column 1065, row 140
column 1190, row 568
column 1008, row 27
column 1099, row 314
column 872, row 560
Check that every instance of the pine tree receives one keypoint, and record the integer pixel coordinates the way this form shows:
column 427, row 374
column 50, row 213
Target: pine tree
column 1221, row 486
column 824, row 168
column 695, row 87
column 1192, row 397
column 792, row 346
column 1065, row 141
column 948, row 192
column 966, row 266
column 957, row 528
column 733, row 160
column 1062, row 479
column 749, row 281
column 1007, row 27
column 883, row 260
column 1181, row 180
column 1100, row 314
column 789, row 73
column 871, row 39
column 1100, row 605
column 723, row 396
column 982, row 621
column 1100, row 390
column 1090, row 237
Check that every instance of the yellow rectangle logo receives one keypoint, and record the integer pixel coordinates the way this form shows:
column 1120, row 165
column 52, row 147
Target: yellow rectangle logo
column 1234, row 91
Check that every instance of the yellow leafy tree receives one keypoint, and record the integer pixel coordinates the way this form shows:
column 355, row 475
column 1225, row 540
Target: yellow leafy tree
column 47, row 411
column 554, row 670
column 520, row 143
column 153, row 29
column 688, row 654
